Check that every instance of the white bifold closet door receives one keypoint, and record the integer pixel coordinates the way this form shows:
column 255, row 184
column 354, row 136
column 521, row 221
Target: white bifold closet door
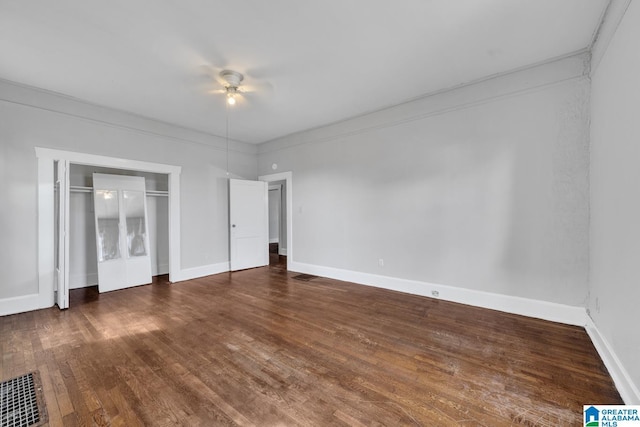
column 249, row 223
column 122, row 240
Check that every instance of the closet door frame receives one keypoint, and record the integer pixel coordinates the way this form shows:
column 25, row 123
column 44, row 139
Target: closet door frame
column 62, row 194
column 46, row 222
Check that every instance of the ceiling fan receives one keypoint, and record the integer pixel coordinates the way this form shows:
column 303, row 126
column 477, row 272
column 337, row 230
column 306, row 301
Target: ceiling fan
column 231, row 81
column 234, row 89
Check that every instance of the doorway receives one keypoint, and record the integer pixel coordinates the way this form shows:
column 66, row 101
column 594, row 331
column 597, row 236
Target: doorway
column 277, row 226
column 281, row 205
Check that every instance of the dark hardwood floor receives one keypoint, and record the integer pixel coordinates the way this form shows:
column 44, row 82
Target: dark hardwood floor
column 258, row 347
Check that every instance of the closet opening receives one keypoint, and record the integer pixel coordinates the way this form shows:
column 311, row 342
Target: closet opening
column 60, row 228
column 83, row 265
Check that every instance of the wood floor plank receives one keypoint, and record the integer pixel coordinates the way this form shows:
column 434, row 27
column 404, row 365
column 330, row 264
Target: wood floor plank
column 53, row 408
column 258, row 347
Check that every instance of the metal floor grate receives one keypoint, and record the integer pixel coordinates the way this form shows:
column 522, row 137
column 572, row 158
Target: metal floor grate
column 19, row 398
column 304, row 277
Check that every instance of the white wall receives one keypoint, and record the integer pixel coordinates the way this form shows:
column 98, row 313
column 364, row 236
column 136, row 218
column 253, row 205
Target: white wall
column 484, row 188
column 83, row 264
column 33, row 118
column 615, row 197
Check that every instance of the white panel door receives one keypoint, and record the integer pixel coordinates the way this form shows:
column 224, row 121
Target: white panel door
column 61, row 231
column 249, row 224
column 122, row 240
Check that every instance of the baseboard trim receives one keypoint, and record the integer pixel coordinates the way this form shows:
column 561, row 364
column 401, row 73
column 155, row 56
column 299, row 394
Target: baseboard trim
column 161, row 270
column 274, row 240
column 282, row 251
column 629, row 391
column 79, row 281
column 22, row 304
column 545, row 310
column 205, row 270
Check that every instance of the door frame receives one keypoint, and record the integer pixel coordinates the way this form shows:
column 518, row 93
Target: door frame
column 277, row 188
column 46, row 221
column 288, row 178
column 61, row 233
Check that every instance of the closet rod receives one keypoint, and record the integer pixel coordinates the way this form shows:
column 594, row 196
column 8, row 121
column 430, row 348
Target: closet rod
column 79, row 189
column 155, row 193
column 149, row 193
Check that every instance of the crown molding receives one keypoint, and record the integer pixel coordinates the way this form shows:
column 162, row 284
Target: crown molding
column 613, row 15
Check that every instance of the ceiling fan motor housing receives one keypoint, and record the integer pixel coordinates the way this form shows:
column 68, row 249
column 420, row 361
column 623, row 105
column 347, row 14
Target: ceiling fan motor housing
column 233, row 78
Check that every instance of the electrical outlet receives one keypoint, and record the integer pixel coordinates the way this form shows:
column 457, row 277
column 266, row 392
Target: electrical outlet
column 435, row 293
column 381, row 262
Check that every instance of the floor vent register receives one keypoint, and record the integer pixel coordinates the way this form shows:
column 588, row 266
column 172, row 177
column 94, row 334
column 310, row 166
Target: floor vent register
column 21, row 402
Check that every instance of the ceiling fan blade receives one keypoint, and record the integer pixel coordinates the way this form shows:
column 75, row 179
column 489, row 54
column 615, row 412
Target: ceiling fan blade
column 264, row 88
column 206, row 80
column 241, row 99
column 258, row 98
column 208, row 72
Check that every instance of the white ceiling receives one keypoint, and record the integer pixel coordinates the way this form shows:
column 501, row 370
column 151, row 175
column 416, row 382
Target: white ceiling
column 317, row 61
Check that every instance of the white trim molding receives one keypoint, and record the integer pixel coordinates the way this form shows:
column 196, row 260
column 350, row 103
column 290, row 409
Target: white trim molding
column 528, row 79
column 61, row 104
column 621, row 378
column 202, row 271
column 567, row 314
column 79, row 281
column 607, row 30
column 23, row 303
column 111, row 162
column 46, row 241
